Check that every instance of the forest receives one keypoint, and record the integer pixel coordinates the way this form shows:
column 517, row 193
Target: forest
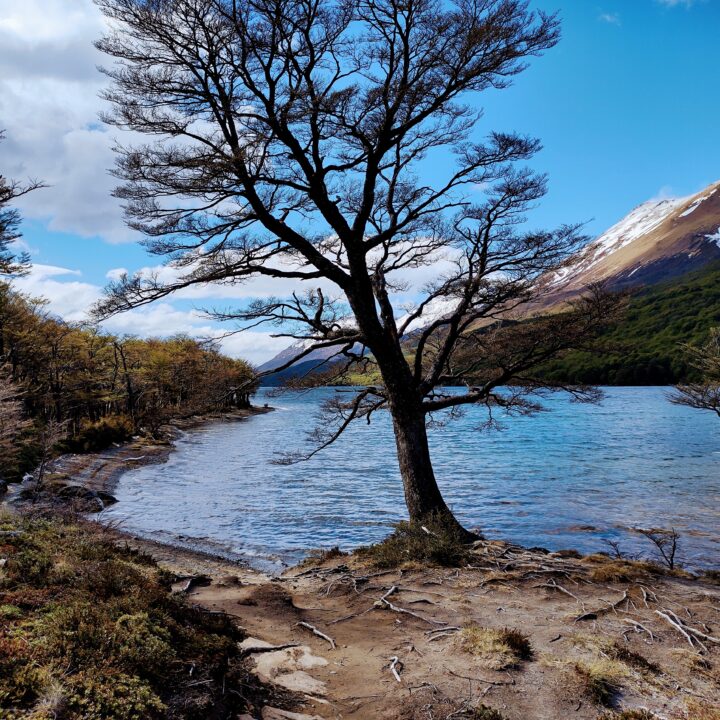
column 75, row 388
column 647, row 344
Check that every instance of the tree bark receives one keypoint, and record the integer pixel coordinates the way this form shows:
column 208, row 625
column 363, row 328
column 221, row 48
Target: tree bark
column 422, row 494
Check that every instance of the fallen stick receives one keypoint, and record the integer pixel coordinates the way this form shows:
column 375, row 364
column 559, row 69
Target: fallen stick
column 480, row 680
column 697, row 633
column 267, row 648
column 679, row 627
column 404, row 611
column 317, row 632
column 449, row 628
column 554, row 586
column 639, row 628
column 394, row 662
column 593, row 614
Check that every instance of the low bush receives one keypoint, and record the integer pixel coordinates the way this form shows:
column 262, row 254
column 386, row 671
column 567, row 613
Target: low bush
column 91, row 630
column 433, row 541
column 99, row 435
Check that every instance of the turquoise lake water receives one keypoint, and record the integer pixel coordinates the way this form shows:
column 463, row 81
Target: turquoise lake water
column 565, row 478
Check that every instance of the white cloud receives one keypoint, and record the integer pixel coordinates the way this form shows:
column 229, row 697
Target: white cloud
column 678, row 3
column 610, row 18
column 49, row 105
column 116, row 273
column 70, row 299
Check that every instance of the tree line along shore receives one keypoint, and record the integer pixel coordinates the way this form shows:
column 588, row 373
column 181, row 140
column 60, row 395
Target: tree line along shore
column 72, row 388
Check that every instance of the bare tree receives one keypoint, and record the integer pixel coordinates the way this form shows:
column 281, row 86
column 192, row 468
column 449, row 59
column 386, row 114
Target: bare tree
column 334, row 144
column 11, row 262
column 13, row 421
column 50, row 435
column 665, row 541
column 704, row 395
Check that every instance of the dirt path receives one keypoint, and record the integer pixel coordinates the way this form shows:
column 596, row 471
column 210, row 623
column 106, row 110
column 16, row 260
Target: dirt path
column 593, row 641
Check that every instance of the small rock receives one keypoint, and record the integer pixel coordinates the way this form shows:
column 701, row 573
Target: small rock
column 270, row 713
column 106, row 498
column 229, row 581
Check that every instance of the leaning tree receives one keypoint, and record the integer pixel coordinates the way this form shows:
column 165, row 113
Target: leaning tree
column 334, row 144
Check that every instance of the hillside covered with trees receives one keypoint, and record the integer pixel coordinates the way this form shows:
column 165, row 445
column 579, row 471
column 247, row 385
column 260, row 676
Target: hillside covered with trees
column 79, row 389
column 646, row 345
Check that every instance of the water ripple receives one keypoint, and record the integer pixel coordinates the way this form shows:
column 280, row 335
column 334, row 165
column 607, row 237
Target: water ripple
column 634, row 460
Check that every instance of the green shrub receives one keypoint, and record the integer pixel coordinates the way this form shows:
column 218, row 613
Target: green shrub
column 99, row 435
column 90, row 630
column 143, row 646
column 99, row 696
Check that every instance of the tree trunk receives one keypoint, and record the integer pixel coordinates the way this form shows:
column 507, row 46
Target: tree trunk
column 422, row 494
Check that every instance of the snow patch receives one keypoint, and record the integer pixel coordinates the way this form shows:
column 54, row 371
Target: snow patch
column 642, row 220
column 715, row 237
column 434, row 310
column 697, row 203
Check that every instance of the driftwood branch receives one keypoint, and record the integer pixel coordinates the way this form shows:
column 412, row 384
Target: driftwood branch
column 317, row 632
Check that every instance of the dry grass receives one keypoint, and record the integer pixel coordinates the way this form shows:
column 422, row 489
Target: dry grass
column 321, row 555
column 601, row 679
column 608, row 569
column 617, row 651
column 629, row 715
column 697, row 710
column 497, row 649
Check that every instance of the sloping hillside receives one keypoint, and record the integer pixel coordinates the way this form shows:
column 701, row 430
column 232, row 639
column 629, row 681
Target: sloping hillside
column 658, row 240
column 645, row 347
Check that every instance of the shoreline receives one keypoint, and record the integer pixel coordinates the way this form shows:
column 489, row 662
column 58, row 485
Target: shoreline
column 101, row 471
column 84, row 482
column 601, row 632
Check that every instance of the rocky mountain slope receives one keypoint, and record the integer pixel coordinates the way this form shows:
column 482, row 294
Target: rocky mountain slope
column 657, row 241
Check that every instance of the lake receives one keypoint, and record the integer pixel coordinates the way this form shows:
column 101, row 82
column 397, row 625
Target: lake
column 566, row 478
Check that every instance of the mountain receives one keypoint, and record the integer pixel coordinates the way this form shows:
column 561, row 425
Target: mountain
column 657, row 241
column 646, row 346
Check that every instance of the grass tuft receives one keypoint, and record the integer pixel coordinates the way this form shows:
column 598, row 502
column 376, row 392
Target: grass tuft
column 433, row 541
column 497, row 649
column 616, row 651
column 697, row 710
column 600, row 679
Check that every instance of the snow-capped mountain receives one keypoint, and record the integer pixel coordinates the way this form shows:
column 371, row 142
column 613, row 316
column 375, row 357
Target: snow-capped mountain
column 658, row 240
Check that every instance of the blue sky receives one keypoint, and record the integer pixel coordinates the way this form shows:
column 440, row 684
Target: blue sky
column 627, row 108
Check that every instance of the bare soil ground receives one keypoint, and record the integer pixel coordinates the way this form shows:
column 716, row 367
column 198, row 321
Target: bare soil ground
column 607, row 636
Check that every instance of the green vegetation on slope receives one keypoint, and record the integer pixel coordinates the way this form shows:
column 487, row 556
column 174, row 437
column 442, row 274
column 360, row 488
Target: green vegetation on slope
column 89, row 630
column 645, row 347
